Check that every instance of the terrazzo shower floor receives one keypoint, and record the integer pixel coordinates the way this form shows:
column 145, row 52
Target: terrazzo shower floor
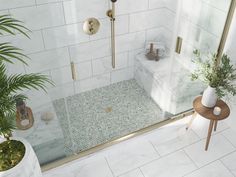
column 95, row 117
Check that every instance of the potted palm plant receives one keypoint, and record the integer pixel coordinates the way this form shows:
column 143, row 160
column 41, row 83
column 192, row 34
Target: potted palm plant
column 17, row 157
column 220, row 78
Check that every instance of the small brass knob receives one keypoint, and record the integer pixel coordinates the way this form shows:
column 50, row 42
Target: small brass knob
column 91, row 26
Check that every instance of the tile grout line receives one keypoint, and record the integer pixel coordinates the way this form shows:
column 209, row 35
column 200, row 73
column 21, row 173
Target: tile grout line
column 141, row 171
column 227, row 138
column 109, row 167
column 226, row 167
column 155, row 149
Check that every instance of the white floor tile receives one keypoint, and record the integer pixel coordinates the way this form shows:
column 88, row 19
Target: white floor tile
column 134, row 173
column 218, row 147
column 130, row 155
column 215, row 169
column 230, row 162
column 230, row 135
column 171, row 138
column 173, row 165
column 93, row 166
column 200, row 126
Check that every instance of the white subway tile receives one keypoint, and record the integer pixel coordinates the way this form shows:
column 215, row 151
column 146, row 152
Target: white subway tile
column 8, row 4
column 87, row 51
column 42, row 16
column 48, row 1
column 132, row 56
column 32, row 45
column 62, row 91
column 48, row 60
column 92, row 83
column 148, row 19
column 121, row 75
column 61, row 75
column 84, row 70
column 64, row 36
column 129, row 6
column 130, row 41
column 170, row 4
column 16, row 68
column 80, row 10
column 104, row 65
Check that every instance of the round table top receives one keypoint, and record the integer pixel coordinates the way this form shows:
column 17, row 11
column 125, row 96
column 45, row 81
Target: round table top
column 208, row 112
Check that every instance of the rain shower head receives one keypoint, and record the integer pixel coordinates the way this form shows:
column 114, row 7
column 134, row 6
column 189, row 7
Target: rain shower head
column 113, row 1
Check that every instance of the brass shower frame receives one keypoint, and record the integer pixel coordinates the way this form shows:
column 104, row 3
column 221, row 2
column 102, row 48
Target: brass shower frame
column 152, row 127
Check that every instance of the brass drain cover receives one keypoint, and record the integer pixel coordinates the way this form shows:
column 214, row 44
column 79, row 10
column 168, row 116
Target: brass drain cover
column 108, row 109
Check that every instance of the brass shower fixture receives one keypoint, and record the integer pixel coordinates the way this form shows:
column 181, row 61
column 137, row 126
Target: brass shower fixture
column 111, row 14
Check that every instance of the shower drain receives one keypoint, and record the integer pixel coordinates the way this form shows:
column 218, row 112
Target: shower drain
column 108, row 109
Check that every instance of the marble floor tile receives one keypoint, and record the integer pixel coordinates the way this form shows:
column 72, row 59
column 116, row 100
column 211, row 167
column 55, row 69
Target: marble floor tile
column 200, row 126
column 134, row 173
column 230, row 135
column 130, row 155
column 230, row 162
column 171, row 138
column 173, row 165
column 215, row 169
column 219, row 146
column 93, row 166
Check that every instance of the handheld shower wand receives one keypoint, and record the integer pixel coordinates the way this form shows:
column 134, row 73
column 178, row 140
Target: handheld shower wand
column 111, row 15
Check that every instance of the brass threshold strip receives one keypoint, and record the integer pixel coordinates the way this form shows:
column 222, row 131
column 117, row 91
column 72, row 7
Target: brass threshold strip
column 114, row 141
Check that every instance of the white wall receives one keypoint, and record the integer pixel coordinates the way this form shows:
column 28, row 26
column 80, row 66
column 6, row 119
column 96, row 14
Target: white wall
column 57, row 39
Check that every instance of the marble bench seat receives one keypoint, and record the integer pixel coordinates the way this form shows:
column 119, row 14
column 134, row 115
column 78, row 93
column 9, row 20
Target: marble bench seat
column 169, row 85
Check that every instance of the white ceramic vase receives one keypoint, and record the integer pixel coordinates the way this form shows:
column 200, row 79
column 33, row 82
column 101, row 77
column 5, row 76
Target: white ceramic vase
column 209, row 97
column 28, row 166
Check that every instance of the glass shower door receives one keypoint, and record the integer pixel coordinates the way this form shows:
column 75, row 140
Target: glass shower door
column 200, row 26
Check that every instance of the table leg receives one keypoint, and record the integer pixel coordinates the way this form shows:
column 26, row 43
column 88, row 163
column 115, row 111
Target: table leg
column 209, row 134
column 191, row 120
column 215, row 125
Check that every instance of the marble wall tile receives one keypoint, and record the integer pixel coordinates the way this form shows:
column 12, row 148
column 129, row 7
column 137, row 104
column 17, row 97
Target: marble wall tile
column 130, row 41
column 122, row 74
column 6, row 4
column 104, row 65
column 49, row 1
column 48, row 60
column 64, row 36
column 147, row 19
column 84, row 70
column 61, row 91
column 128, row 6
column 79, row 10
column 90, row 50
column 92, row 83
column 32, row 45
column 44, row 16
column 61, row 75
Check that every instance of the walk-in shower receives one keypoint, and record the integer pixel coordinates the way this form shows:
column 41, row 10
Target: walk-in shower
column 105, row 88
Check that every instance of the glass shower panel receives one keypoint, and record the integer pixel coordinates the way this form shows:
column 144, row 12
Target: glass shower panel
column 200, row 26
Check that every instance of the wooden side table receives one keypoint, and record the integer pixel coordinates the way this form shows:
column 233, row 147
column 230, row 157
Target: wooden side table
column 208, row 114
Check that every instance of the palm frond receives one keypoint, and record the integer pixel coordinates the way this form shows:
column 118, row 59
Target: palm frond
column 9, row 24
column 9, row 52
column 7, row 124
column 19, row 82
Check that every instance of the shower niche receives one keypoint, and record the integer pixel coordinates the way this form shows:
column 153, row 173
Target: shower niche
column 93, row 103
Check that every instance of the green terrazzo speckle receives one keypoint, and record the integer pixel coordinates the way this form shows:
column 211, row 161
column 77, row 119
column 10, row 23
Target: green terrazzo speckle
column 91, row 125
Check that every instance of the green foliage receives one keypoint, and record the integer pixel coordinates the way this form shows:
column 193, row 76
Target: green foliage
column 11, row 152
column 221, row 77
